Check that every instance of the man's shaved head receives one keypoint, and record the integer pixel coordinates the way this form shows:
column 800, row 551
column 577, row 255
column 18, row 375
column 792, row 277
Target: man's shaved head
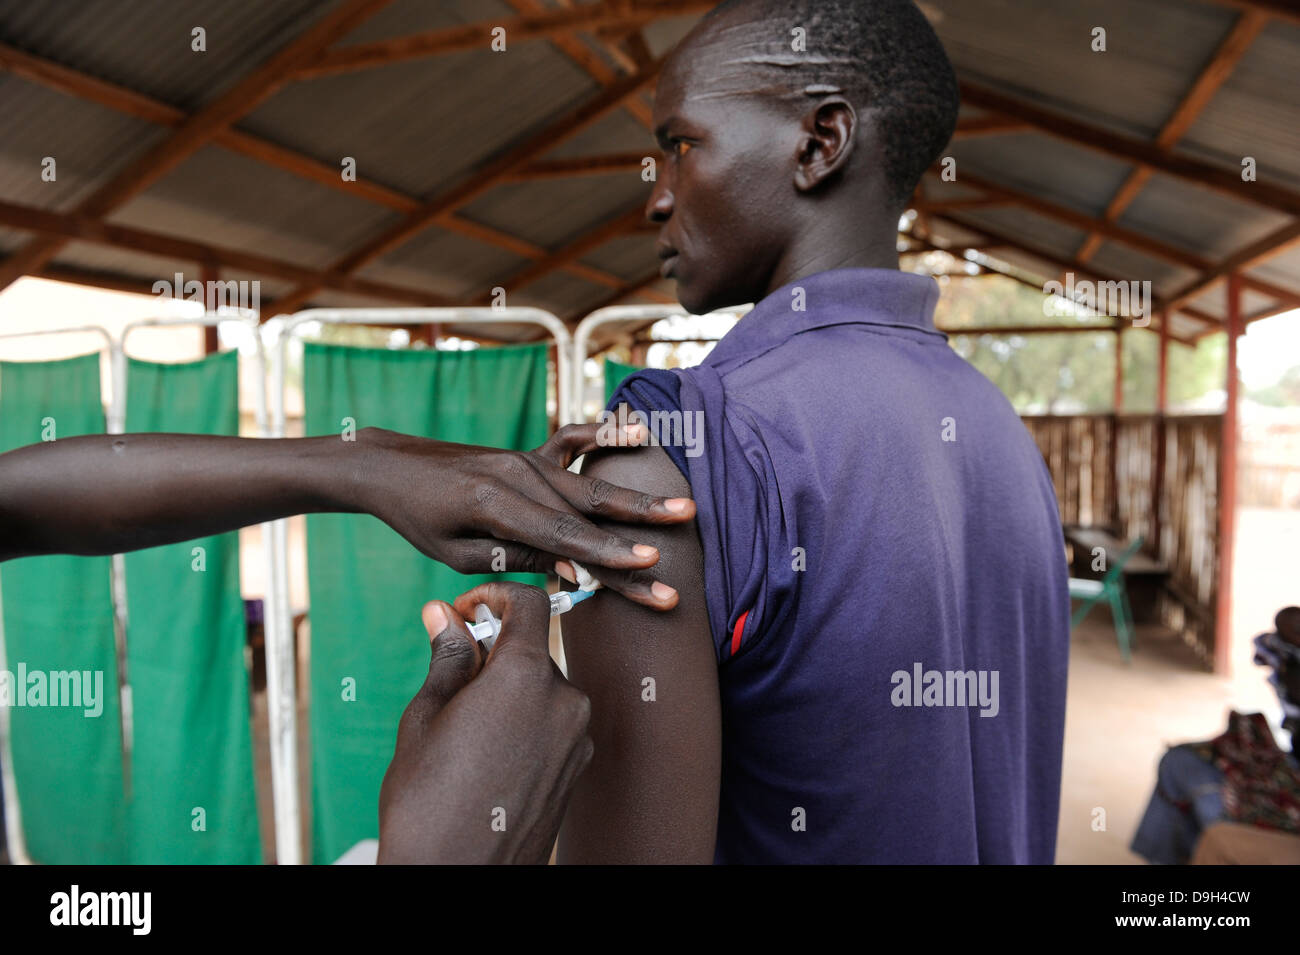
column 883, row 55
column 794, row 132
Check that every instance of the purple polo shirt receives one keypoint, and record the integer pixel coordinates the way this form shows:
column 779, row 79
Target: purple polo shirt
column 885, row 579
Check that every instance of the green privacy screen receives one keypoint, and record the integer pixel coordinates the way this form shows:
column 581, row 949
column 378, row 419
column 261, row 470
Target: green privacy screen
column 369, row 651
column 193, row 798
column 58, row 616
column 615, row 372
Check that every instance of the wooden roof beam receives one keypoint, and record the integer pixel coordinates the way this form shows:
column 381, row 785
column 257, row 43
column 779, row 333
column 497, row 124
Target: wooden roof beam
column 470, row 36
column 73, row 227
column 1063, row 262
column 1214, row 75
column 442, row 207
column 1276, row 241
column 119, row 98
column 1226, row 181
column 587, row 59
column 582, row 166
column 93, row 279
column 947, row 205
column 630, row 288
column 958, row 251
column 594, row 239
column 1281, row 9
column 200, row 128
column 1080, row 220
column 988, row 124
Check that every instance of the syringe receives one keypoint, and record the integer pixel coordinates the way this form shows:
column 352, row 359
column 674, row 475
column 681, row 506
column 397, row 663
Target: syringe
column 487, row 627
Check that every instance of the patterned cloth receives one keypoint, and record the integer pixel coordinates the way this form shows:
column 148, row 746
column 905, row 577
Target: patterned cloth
column 1261, row 783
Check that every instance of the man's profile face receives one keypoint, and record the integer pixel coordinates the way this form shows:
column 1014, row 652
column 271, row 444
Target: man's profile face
column 724, row 194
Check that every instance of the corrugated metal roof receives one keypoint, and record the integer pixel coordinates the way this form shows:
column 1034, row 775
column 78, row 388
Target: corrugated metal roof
column 561, row 293
column 1050, row 168
column 87, row 142
column 619, row 132
column 1122, row 261
column 423, row 126
column 229, row 200
column 662, row 35
column 445, row 263
column 101, row 258
column 1218, row 227
column 552, row 213
column 1044, row 51
column 1257, row 111
column 1282, row 269
column 1036, row 231
column 146, row 45
column 630, row 257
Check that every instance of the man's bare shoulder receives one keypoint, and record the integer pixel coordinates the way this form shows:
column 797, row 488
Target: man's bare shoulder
column 651, row 791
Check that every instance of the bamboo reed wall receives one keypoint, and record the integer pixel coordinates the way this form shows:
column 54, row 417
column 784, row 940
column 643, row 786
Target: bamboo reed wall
column 1109, row 471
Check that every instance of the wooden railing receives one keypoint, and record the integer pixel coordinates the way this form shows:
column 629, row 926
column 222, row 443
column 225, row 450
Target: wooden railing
column 1153, row 476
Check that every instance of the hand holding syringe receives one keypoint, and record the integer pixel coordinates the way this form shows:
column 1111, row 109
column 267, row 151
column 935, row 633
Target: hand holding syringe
column 487, row 627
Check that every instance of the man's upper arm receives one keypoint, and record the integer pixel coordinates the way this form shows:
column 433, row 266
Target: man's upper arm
column 651, row 791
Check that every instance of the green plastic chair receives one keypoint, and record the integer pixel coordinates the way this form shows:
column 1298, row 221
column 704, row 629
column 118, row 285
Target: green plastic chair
column 1111, row 589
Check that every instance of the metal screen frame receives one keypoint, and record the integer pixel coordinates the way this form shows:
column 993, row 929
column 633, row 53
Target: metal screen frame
column 285, row 699
column 623, row 313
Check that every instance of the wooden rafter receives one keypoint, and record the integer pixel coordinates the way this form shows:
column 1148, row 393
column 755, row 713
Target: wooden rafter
column 622, row 224
column 1272, row 244
column 585, row 58
column 74, row 227
column 1098, row 139
column 469, row 36
column 986, row 125
column 947, row 205
column 1080, row 220
column 1286, row 237
column 1063, row 262
column 93, row 279
column 1281, row 9
column 82, row 86
column 959, row 250
column 630, row 288
column 1213, row 76
column 484, row 180
column 199, row 129
column 582, row 166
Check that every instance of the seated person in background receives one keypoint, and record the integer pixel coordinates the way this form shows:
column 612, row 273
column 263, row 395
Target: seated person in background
column 1241, row 785
column 868, row 660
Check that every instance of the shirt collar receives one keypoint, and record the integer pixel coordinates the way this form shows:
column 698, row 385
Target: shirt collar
column 883, row 297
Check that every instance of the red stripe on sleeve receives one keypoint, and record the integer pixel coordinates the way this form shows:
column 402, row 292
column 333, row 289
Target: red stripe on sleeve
column 735, row 634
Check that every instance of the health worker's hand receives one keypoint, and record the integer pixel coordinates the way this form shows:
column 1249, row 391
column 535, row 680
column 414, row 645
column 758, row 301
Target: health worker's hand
column 487, row 751
column 480, row 510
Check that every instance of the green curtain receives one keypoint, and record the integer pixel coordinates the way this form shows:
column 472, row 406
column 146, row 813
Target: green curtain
column 58, row 617
column 369, row 651
column 615, row 372
column 193, row 799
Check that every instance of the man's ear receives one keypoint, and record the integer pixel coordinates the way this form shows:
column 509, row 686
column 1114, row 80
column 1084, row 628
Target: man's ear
column 826, row 142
